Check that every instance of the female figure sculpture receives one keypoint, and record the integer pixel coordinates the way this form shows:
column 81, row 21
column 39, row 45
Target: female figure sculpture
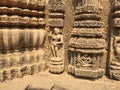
column 56, row 62
column 56, row 42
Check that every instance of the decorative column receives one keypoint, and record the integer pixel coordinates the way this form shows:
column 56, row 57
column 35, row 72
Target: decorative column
column 87, row 43
column 56, row 24
column 114, row 68
column 22, row 34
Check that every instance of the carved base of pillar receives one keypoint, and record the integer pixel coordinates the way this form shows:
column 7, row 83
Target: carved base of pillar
column 115, row 74
column 56, row 65
column 93, row 74
column 56, row 69
column 115, row 70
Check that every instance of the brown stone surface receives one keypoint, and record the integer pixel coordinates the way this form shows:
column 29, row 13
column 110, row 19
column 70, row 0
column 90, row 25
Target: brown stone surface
column 65, row 40
column 46, row 81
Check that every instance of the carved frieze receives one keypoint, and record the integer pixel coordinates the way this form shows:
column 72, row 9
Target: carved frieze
column 15, row 20
column 19, row 11
column 88, row 32
column 56, row 5
column 88, row 23
column 87, row 9
column 87, row 43
column 56, row 22
column 88, row 16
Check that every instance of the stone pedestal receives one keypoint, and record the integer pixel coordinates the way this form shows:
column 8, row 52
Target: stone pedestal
column 90, row 73
column 56, row 65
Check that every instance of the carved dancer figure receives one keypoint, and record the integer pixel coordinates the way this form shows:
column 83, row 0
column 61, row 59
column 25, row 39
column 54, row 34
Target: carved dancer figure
column 56, row 42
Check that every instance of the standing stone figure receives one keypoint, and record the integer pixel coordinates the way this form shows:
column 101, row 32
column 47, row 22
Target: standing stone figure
column 56, row 43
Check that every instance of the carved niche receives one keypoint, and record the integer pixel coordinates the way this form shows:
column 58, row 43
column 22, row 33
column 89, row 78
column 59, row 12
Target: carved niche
column 56, row 25
column 114, row 69
column 22, row 37
column 87, row 43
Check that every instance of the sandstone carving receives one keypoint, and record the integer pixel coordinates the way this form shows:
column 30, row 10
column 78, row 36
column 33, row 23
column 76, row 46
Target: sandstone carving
column 86, row 47
column 73, row 36
column 22, row 37
column 56, row 24
column 115, row 38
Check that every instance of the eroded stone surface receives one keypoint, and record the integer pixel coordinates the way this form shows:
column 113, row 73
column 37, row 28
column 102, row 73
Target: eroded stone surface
column 74, row 36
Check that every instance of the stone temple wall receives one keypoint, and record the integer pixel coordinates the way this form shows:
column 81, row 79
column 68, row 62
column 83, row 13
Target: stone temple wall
column 22, row 35
column 80, row 37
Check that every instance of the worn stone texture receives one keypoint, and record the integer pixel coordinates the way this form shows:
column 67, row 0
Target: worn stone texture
column 72, row 39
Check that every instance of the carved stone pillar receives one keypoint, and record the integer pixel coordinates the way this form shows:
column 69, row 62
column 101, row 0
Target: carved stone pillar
column 21, row 37
column 56, row 23
column 114, row 68
column 87, row 43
